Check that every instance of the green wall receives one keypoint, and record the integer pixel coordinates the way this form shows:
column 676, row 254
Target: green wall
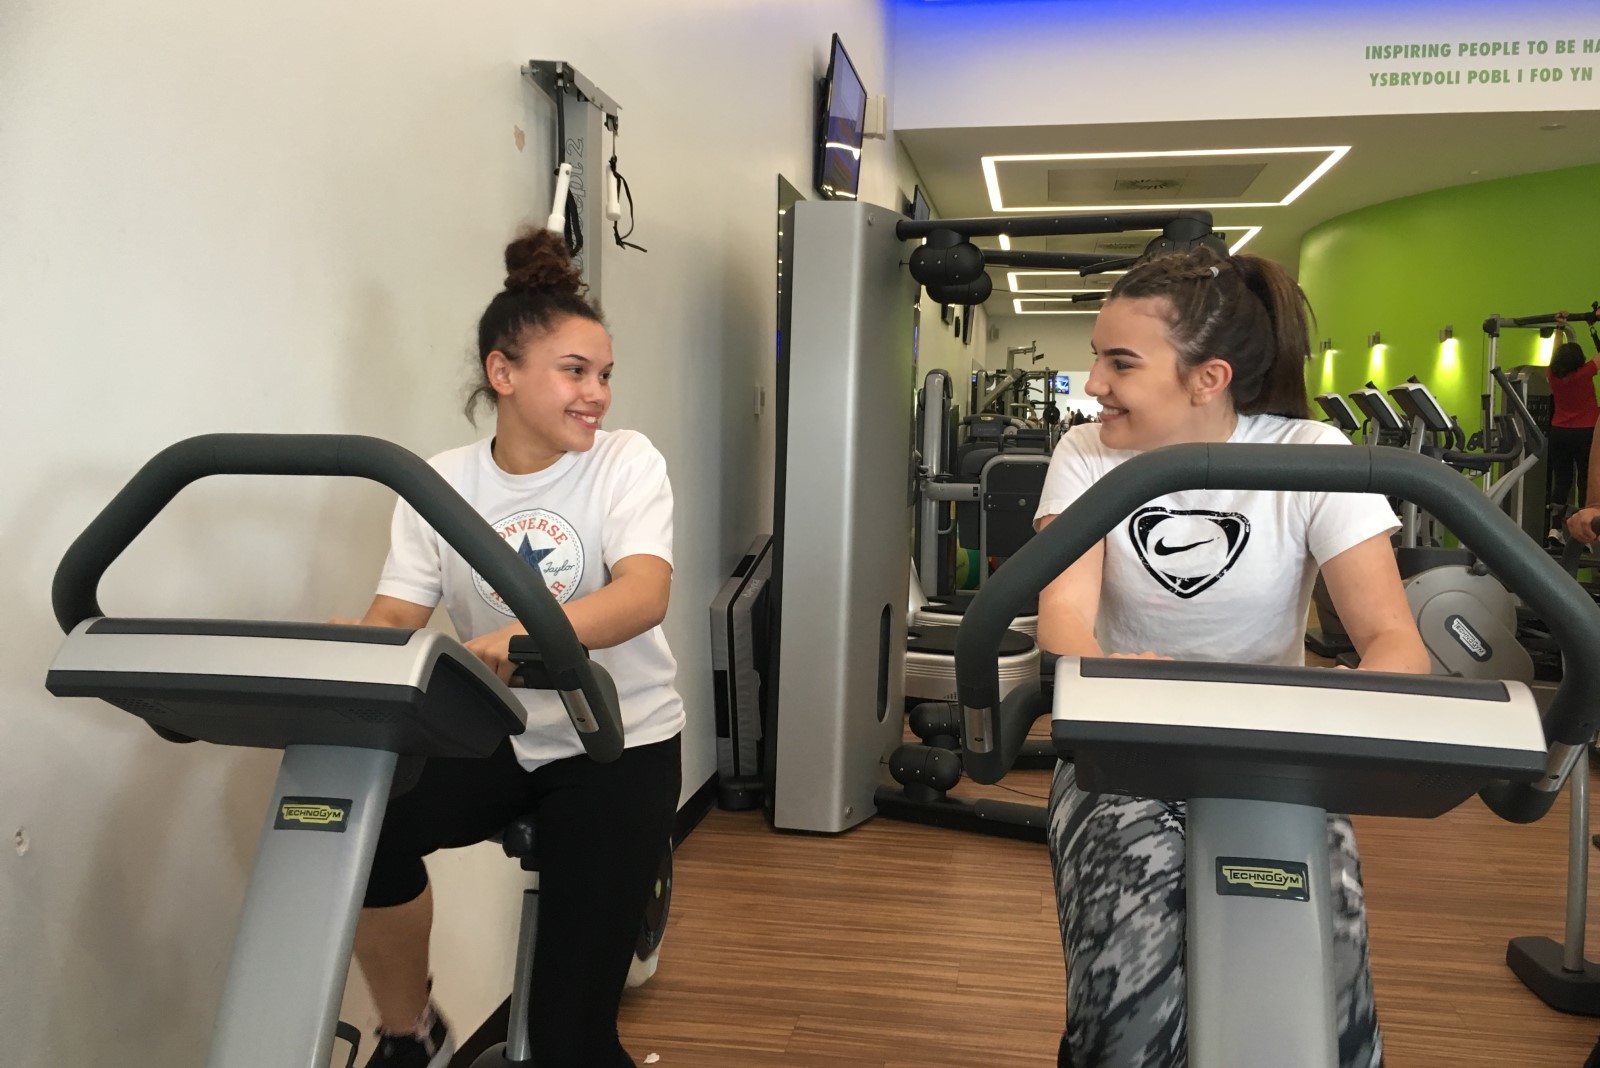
column 1528, row 245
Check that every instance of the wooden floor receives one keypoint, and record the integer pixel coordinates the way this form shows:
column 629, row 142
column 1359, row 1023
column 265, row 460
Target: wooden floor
column 900, row 946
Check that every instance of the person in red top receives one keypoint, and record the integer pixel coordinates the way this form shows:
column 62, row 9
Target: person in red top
column 1572, row 425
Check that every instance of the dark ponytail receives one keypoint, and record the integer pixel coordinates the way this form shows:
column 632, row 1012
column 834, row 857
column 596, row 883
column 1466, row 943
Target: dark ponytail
column 543, row 287
column 1244, row 310
column 1567, row 358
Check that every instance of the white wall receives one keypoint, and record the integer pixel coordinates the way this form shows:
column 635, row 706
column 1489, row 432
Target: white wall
column 939, row 346
column 954, row 63
column 1062, row 339
column 287, row 218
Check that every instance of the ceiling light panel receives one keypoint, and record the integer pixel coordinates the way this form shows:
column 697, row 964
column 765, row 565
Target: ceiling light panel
column 1076, row 282
column 1049, row 306
column 1048, row 282
column 1155, row 181
column 1128, row 242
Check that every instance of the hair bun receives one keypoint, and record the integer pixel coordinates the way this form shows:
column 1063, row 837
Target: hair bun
column 538, row 260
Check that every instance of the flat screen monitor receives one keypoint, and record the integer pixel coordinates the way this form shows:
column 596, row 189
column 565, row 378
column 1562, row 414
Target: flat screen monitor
column 920, row 209
column 842, row 117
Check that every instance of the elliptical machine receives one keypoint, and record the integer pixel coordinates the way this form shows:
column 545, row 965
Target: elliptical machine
column 356, row 711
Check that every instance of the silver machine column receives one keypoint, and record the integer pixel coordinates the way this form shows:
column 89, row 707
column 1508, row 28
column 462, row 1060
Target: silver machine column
column 1260, row 947
column 846, row 487
column 586, row 112
column 931, row 509
column 292, row 950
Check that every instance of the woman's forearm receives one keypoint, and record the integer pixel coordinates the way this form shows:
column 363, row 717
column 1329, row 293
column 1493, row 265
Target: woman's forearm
column 624, row 608
column 1065, row 632
column 1398, row 650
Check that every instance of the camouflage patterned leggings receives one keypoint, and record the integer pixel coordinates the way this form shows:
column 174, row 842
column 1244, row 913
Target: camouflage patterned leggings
column 1120, row 899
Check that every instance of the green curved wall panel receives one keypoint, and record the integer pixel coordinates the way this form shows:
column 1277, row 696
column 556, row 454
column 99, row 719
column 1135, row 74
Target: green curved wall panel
column 1405, row 269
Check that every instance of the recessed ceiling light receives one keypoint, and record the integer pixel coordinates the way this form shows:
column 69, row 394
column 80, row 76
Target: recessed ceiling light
column 1553, row 126
column 1058, row 307
column 1334, row 154
column 1012, row 276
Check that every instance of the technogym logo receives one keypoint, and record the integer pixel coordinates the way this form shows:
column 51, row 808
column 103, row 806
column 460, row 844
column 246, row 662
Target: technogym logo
column 1263, row 878
column 1469, row 639
column 312, row 814
column 1257, row 877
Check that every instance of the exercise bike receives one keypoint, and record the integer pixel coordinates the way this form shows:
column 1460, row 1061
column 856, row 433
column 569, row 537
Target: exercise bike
column 356, row 711
column 1259, row 779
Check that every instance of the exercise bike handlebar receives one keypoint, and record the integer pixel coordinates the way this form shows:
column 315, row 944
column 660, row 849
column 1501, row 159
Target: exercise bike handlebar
column 993, row 739
column 590, row 701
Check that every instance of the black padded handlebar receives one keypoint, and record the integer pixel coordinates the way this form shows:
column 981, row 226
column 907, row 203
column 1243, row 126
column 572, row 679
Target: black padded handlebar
column 1491, row 324
column 74, row 594
column 1574, row 620
column 1047, row 225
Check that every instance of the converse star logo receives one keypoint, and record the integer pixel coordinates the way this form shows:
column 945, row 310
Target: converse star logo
column 549, row 544
column 1187, row 552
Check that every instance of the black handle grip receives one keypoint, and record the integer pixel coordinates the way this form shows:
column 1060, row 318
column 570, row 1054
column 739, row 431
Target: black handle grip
column 1549, row 318
column 1573, row 618
column 1049, row 225
column 74, row 594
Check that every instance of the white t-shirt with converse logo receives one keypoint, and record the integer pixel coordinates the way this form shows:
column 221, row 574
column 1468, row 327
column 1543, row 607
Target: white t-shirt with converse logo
column 1221, row 575
column 572, row 521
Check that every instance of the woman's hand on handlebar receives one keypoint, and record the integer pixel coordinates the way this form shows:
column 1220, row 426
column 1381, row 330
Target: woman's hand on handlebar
column 494, row 649
column 1581, row 525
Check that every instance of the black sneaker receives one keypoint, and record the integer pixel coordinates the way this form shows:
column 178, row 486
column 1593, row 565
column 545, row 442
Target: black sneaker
column 430, row 1050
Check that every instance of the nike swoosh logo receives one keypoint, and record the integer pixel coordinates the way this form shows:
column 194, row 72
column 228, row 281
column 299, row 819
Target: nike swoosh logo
column 1163, row 549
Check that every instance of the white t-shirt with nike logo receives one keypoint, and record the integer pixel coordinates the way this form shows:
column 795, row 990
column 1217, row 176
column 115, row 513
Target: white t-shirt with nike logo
column 572, row 521
column 1220, row 575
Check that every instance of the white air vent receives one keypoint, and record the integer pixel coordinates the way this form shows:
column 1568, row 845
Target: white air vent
column 1146, row 185
column 1093, row 182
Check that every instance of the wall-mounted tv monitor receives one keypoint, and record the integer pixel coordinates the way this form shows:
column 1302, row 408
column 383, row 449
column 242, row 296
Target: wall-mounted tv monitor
column 920, row 209
column 840, row 123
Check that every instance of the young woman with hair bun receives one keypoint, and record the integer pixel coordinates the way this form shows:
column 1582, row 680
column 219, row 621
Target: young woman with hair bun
column 1198, row 347
column 591, row 510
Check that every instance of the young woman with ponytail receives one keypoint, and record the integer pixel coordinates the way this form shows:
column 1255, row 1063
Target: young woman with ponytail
column 1571, row 377
column 1197, row 347
column 591, row 510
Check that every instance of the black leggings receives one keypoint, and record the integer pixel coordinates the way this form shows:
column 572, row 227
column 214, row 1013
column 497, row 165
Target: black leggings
column 1569, row 450
column 601, row 830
